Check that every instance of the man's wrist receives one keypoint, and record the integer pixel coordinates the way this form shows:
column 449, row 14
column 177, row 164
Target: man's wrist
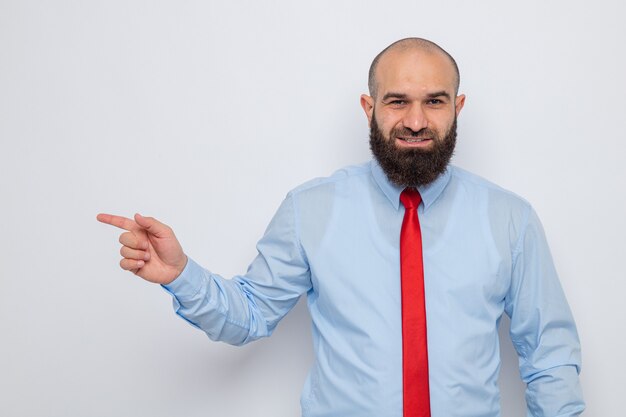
column 179, row 270
column 188, row 282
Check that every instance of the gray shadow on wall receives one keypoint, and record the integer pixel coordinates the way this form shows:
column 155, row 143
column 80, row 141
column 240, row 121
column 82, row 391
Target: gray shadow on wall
column 270, row 372
column 511, row 386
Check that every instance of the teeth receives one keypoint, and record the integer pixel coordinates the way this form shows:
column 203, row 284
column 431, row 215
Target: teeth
column 413, row 140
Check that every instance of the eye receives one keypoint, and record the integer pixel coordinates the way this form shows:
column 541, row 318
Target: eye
column 434, row 101
column 397, row 102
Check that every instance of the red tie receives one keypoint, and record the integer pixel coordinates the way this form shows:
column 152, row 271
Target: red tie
column 416, row 396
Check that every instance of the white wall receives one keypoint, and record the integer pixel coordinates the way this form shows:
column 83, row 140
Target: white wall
column 206, row 113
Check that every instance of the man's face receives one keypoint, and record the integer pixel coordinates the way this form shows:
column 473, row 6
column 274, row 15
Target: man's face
column 413, row 166
column 413, row 115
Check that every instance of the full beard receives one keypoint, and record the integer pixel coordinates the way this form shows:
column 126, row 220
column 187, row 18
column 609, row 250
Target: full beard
column 412, row 167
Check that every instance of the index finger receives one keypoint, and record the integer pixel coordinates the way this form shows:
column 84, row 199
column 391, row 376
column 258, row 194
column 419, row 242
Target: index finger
column 118, row 221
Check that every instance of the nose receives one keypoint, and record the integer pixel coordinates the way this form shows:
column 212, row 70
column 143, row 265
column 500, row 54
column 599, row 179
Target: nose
column 415, row 118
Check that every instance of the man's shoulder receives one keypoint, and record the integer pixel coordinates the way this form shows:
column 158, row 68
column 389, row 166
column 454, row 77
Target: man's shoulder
column 351, row 173
column 480, row 185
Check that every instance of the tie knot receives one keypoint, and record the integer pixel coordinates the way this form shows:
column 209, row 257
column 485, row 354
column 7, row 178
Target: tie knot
column 410, row 198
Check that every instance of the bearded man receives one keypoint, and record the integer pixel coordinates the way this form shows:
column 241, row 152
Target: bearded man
column 408, row 264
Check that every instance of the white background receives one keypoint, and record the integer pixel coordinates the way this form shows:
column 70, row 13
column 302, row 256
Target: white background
column 205, row 113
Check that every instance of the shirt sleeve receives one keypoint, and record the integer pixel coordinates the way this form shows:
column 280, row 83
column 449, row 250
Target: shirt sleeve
column 543, row 329
column 247, row 307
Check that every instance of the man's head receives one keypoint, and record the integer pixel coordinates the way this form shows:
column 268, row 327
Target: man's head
column 412, row 110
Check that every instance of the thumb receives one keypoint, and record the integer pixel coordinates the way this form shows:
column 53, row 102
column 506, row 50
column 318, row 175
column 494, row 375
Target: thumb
column 152, row 225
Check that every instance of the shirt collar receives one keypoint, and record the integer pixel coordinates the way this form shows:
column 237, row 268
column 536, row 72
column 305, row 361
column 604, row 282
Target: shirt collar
column 429, row 192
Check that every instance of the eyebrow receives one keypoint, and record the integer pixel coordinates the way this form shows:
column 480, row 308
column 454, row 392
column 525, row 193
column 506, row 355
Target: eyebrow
column 402, row 96
column 441, row 93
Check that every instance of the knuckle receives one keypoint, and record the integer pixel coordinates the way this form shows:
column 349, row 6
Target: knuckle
column 124, row 238
column 125, row 252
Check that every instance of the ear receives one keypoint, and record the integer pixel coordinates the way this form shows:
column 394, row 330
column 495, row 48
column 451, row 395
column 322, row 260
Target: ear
column 367, row 103
column 459, row 102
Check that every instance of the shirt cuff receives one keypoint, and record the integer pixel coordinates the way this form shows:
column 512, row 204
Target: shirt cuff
column 188, row 283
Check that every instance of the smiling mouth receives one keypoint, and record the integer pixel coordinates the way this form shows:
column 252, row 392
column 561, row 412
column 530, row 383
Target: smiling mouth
column 413, row 140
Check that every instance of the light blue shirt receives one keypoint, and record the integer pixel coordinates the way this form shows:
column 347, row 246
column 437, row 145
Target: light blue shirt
column 337, row 240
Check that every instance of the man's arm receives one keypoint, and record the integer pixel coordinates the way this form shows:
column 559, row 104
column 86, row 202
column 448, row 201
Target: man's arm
column 235, row 311
column 249, row 306
column 543, row 329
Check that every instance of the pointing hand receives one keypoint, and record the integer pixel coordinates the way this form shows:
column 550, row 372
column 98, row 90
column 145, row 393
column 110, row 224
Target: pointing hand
column 149, row 248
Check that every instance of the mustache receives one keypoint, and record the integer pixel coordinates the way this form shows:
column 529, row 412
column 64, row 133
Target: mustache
column 422, row 133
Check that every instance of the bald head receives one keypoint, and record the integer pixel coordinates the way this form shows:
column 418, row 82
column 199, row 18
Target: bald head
column 410, row 44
